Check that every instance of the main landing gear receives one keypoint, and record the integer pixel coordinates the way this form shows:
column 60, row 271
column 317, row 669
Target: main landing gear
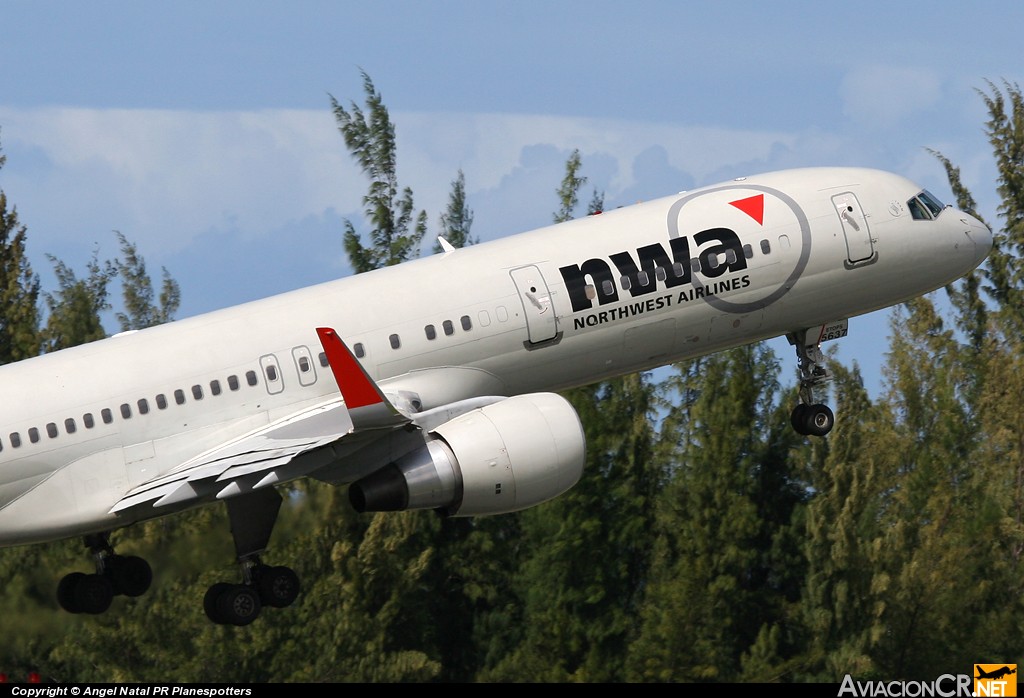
column 116, row 575
column 810, row 418
column 252, row 520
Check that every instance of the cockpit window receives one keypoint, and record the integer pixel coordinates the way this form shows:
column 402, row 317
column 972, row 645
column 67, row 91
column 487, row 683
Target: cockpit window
column 924, row 206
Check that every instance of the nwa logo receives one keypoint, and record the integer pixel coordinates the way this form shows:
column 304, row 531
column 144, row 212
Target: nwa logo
column 710, row 276
column 719, row 251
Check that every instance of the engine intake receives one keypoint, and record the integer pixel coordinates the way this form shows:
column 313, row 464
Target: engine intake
column 496, row 459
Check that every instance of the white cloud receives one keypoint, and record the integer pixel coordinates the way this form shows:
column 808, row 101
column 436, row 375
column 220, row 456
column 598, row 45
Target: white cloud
column 164, row 177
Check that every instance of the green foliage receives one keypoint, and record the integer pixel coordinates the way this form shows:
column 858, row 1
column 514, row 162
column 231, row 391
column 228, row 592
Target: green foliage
column 140, row 310
column 19, row 289
column 75, row 308
column 457, row 219
column 569, row 191
column 395, row 231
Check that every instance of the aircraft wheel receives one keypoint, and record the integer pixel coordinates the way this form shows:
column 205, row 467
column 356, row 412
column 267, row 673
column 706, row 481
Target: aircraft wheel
column 66, row 592
column 210, row 601
column 93, row 593
column 130, row 575
column 799, row 419
column 818, row 420
column 239, row 604
column 278, row 586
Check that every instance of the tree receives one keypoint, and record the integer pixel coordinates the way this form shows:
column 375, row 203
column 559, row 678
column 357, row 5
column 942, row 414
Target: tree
column 723, row 573
column 396, row 232
column 458, row 217
column 140, row 311
column 19, row 288
column 76, row 306
column 569, row 191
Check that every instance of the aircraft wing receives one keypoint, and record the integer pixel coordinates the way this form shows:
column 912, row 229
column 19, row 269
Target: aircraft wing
column 288, row 448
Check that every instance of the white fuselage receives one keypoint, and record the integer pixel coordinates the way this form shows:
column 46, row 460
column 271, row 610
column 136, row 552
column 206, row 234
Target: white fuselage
column 517, row 315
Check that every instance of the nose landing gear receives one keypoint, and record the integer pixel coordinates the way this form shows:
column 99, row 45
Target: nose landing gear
column 810, row 418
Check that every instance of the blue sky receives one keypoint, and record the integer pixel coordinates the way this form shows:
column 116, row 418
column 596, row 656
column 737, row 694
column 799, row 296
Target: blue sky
column 202, row 130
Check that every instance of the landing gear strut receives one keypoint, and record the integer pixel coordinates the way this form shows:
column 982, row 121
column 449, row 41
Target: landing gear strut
column 116, row 575
column 810, row 418
column 252, row 519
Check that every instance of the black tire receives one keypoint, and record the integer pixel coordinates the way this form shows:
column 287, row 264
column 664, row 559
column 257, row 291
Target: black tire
column 819, row 420
column 278, row 586
column 66, row 592
column 799, row 419
column 210, row 604
column 130, row 575
column 93, row 593
column 239, row 604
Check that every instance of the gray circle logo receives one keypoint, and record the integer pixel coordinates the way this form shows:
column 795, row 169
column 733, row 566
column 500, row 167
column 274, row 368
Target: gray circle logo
column 770, row 294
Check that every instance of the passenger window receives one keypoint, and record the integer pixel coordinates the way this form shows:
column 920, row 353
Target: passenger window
column 766, row 247
column 449, row 328
column 197, row 392
column 106, row 415
column 624, row 283
column 730, row 256
column 51, row 430
column 15, row 439
column 695, row 264
column 359, row 350
column 88, row 421
column 126, row 410
column 233, row 382
column 677, row 269
column 467, row 324
column 69, row 425
column 179, row 396
column 250, row 377
column 748, row 251
column 143, row 406
column 430, row 332
column 33, row 435
column 271, row 373
column 323, row 359
column 215, row 387
column 590, row 291
column 660, row 274
column 642, row 279
column 608, row 287
column 161, row 401
column 395, row 341
column 304, row 364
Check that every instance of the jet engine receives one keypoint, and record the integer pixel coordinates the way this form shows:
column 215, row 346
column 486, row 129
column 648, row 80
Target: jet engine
column 504, row 457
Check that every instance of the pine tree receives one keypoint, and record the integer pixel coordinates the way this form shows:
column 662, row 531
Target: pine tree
column 395, row 231
column 76, row 307
column 457, row 219
column 140, row 310
column 19, row 288
column 723, row 577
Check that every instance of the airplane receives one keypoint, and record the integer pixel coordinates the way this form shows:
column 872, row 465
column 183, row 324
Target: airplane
column 995, row 674
column 433, row 384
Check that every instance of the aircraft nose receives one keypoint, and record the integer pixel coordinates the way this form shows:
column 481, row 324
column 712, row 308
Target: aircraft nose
column 980, row 235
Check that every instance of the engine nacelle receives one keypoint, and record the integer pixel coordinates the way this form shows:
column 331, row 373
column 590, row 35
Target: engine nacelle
column 496, row 459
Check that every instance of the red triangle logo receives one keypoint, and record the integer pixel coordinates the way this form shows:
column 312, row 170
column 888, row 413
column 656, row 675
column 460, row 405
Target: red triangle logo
column 752, row 206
